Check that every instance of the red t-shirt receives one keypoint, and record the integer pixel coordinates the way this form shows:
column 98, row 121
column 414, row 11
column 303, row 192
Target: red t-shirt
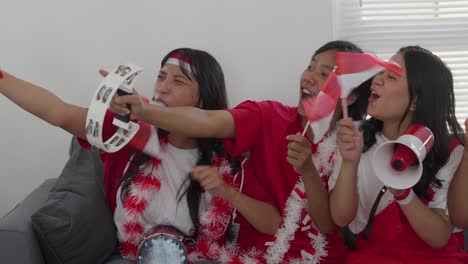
column 261, row 130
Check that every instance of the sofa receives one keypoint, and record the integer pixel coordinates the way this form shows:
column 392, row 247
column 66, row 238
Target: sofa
column 66, row 219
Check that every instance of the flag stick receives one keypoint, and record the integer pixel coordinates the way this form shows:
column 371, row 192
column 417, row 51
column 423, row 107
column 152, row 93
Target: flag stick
column 344, row 107
column 306, row 127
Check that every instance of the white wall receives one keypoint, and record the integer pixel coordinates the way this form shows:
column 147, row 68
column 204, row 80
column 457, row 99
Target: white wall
column 262, row 45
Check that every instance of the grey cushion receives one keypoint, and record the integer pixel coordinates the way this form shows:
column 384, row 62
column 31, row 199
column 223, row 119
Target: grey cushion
column 75, row 225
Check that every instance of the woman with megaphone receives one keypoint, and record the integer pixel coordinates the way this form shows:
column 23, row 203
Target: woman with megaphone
column 458, row 196
column 388, row 221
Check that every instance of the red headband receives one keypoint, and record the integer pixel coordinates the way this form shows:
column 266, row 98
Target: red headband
column 179, row 60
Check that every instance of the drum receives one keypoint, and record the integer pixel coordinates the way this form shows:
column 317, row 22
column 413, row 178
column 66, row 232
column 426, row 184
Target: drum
column 161, row 245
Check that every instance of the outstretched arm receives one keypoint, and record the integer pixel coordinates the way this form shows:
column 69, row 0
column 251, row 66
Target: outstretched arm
column 190, row 121
column 458, row 195
column 44, row 104
column 262, row 216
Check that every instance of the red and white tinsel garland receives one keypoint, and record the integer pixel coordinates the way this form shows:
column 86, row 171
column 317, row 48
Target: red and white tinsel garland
column 213, row 222
column 227, row 253
column 295, row 214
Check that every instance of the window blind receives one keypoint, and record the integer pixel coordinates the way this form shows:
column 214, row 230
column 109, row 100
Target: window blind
column 383, row 26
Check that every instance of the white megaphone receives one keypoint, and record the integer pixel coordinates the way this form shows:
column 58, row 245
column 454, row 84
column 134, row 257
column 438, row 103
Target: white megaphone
column 398, row 164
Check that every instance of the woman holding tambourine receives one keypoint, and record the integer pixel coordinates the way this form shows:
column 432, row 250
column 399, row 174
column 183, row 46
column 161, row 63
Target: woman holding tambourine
column 173, row 196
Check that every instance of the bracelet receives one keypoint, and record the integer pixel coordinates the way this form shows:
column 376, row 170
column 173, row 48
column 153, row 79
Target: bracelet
column 405, row 198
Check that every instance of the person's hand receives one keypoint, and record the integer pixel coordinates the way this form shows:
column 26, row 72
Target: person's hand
column 211, row 180
column 103, row 72
column 300, row 154
column 127, row 104
column 121, row 104
column 350, row 141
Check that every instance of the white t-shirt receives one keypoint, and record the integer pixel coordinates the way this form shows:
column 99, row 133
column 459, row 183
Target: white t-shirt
column 369, row 185
column 164, row 207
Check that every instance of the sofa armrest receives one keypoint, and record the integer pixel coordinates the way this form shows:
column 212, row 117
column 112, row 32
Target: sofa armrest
column 18, row 242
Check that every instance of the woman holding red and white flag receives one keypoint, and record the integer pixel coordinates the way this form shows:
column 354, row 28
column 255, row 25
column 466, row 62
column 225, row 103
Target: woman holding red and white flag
column 293, row 171
column 458, row 207
column 390, row 225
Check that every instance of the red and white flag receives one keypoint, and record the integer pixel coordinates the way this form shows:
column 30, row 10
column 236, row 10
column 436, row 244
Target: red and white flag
column 146, row 140
column 320, row 109
column 355, row 68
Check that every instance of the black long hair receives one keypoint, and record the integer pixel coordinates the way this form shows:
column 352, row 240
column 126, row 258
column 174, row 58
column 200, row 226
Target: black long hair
column 213, row 96
column 430, row 85
column 358, row 109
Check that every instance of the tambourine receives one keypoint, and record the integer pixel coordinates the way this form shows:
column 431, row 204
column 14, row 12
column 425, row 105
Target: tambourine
column 163, row 244
column 120, row 81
